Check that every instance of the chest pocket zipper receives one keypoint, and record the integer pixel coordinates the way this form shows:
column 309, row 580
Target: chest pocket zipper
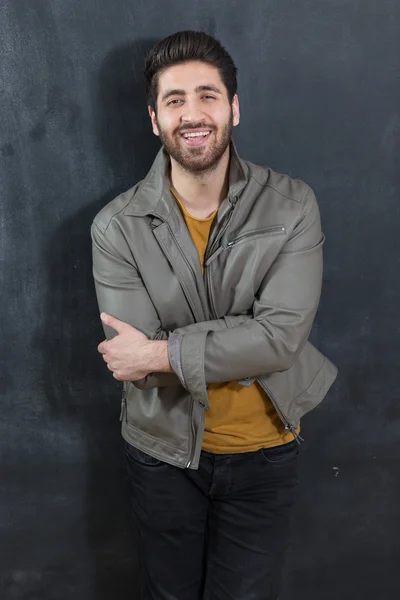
column 254, row 234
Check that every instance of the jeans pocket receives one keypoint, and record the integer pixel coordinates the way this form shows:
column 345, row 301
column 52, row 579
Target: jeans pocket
column 138, row 456
column 280, row 455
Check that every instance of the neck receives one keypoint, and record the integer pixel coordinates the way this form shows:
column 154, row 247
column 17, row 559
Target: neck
column 201, row 193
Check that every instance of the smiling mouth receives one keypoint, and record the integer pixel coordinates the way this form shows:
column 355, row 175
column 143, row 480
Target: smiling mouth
column 195, row 134
column 196, row 138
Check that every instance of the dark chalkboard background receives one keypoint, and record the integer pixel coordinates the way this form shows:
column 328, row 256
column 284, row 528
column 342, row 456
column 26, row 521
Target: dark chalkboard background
column 320, row 97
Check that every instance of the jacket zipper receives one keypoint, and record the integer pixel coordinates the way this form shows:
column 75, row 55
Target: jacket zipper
column 191, row 445
column 124, row 407
column 211, row 294
column 287, row 424
column 208, row 280
column 208, row 274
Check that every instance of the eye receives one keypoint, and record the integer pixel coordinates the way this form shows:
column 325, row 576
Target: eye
column 208, row 97
column 174, row 102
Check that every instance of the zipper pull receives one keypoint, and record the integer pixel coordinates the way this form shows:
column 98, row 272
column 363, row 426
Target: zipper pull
column 297, row 436
column 216, row 253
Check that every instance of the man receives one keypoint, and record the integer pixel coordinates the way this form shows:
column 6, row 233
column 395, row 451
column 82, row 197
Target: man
column 208, row 276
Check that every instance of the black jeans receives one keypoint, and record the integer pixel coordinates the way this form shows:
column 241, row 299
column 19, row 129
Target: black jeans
column 218, row 533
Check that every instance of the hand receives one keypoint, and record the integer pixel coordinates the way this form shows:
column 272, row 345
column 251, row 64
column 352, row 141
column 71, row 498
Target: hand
column 127, row 353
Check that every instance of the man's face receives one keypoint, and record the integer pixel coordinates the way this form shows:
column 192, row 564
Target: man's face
column 194, row 117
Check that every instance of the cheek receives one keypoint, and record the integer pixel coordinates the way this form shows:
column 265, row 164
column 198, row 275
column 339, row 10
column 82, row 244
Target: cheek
column 220, row 117
column 168, row 123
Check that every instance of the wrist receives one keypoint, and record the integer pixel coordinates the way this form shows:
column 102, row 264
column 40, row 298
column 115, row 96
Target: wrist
column 158, row 359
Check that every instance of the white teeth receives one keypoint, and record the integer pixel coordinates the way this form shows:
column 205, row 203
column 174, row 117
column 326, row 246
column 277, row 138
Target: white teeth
column 196, row 134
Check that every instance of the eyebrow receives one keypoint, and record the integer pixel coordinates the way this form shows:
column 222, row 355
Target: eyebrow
column 200, row 88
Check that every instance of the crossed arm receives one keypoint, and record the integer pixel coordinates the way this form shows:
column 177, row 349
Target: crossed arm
column 231, row 348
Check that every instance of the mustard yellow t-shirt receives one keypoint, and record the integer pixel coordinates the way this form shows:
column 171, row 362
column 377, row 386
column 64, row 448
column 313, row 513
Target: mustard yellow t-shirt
column 240, row 419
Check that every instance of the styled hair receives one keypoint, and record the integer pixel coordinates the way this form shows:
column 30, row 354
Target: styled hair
column 182, row 47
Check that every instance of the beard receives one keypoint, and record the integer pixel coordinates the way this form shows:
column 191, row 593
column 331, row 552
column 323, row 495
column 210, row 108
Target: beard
column 200, row 159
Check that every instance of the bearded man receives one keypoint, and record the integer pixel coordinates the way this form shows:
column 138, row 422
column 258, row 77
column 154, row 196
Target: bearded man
column 208, row 276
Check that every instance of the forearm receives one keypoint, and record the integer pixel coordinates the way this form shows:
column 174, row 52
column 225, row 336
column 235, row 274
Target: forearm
column 174, row 374
column 119, row 287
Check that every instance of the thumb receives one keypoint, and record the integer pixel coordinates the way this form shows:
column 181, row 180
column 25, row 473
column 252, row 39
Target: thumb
column 113, row 322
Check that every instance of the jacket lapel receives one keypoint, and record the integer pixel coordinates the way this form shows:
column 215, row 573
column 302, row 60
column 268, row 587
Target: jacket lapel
column 178, row 247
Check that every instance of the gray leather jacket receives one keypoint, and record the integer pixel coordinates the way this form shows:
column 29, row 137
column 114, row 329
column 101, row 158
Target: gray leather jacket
column 248, row 318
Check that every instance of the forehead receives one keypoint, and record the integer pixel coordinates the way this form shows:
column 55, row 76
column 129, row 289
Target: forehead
column 188, row 76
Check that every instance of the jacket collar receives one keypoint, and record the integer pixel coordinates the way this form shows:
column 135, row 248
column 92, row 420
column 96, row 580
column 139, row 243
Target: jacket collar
column 153, row 196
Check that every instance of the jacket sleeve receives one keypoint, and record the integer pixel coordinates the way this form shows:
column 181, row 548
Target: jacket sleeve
column 283, row 314
column 121, row 293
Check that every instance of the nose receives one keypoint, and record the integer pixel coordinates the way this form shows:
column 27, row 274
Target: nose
column 192, row 111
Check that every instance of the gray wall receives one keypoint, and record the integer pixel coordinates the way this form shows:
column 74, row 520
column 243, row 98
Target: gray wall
column 320, row 95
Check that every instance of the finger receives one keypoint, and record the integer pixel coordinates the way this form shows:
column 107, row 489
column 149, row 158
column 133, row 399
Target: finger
column 113, row 322
column 102, row 347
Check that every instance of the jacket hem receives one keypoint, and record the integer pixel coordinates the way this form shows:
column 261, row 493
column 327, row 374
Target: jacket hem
column 153, row 446
column 314, row 394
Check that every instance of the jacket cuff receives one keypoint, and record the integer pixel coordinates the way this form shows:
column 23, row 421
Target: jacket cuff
column 174, row 355
column 192, row 362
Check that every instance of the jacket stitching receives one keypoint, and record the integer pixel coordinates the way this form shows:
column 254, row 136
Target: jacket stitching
column 266, row 184
column 104, row 229
column 152, row 437
column 311, row 384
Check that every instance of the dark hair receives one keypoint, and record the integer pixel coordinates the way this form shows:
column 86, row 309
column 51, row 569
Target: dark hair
column 185, row 46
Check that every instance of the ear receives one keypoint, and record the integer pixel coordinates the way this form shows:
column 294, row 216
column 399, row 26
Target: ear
column 235, row 110
column 153, row 119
